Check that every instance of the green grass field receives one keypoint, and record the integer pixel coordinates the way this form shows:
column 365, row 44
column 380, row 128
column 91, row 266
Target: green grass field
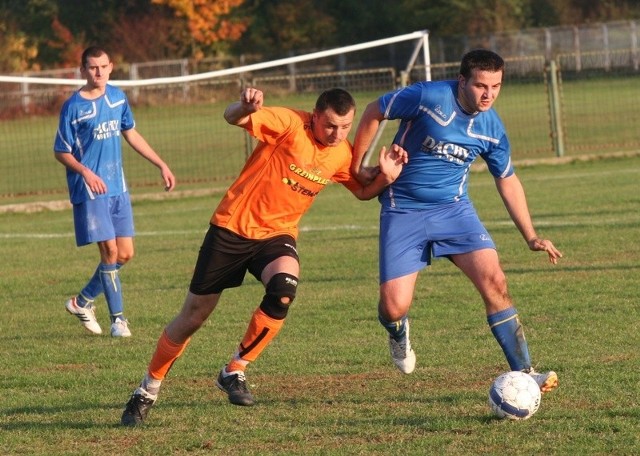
column 326, row 385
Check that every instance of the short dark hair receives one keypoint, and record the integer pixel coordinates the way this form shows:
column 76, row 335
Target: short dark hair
column 480, row 59
column 92, row 51
column 337, row 99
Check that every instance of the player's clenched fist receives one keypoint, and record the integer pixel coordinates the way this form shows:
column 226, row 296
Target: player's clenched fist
column 252, row 99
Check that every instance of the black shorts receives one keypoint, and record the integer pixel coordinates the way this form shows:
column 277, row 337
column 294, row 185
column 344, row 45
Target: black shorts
column 225, row 258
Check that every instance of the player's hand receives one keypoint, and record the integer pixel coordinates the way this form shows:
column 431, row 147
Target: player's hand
column 94, row 182
column 537, row 244
column 168, row 178
column 251, row 99
column 392, row 161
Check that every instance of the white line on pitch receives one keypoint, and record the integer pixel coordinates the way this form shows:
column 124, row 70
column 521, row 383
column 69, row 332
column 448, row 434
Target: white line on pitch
column 310, row 228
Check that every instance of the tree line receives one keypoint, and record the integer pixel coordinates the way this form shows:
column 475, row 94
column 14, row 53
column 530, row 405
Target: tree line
column 44, row 34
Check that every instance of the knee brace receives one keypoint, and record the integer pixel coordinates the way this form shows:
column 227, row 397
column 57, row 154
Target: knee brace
column 281, row 291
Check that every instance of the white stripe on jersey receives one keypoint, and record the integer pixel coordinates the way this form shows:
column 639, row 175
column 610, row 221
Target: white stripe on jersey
column 482, row 137
column 437, row 118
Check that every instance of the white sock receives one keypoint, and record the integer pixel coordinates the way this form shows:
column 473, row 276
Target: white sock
column 151, row 385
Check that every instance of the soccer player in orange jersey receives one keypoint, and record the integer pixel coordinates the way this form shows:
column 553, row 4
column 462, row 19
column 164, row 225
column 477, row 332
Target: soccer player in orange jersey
column 255, row 228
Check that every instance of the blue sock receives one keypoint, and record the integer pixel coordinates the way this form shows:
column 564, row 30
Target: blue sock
column 507, row 329
column 112, row 290
column 92, row 289
column 397, row 329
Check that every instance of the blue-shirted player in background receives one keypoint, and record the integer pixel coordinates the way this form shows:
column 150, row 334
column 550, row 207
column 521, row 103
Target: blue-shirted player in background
column 427, row 212
column 88, row 144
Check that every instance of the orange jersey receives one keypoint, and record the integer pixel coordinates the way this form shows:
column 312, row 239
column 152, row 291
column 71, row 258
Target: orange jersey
column 282, row 177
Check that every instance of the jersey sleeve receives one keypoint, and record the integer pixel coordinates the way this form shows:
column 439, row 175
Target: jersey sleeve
column 343, row 174
column 269, row 124
column 498, row 159
column 401, row 104
column 64, row 135
column 127, row 122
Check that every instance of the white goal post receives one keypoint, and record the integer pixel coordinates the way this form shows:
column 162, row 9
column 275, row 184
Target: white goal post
column 422, row 38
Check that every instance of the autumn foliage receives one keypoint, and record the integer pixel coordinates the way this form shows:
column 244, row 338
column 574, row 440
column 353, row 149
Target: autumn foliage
column 208, row 20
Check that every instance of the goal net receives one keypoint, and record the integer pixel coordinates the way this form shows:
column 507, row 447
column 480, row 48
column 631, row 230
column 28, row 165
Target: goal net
column 180, row 114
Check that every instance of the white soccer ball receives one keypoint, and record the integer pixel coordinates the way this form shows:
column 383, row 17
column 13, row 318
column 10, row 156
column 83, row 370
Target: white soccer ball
column 514, row 395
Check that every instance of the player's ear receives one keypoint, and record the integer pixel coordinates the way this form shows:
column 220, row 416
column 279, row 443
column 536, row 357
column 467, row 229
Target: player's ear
column 315, row 117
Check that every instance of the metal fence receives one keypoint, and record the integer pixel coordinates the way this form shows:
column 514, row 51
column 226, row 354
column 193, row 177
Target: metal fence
column 580, row 41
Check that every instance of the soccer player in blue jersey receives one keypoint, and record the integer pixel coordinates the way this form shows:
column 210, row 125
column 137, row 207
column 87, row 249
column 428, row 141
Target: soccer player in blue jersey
column 427, row 212
column 88, row 144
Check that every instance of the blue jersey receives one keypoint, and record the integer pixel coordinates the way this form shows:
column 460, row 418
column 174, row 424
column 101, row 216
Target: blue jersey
column 90, row 130
column 442, row 142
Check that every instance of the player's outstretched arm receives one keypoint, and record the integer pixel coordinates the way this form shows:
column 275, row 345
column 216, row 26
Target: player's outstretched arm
column 514, row 198
column 251, row 100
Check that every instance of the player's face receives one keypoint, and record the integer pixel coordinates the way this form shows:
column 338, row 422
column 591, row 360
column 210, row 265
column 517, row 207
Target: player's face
column 478, row 93
column 97, row 71
column 329, row 128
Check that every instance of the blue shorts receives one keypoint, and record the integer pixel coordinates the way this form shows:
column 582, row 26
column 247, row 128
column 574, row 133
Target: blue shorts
column 103, row 219
column 410, row 238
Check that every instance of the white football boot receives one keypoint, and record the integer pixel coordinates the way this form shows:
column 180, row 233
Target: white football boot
column 402, row 354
